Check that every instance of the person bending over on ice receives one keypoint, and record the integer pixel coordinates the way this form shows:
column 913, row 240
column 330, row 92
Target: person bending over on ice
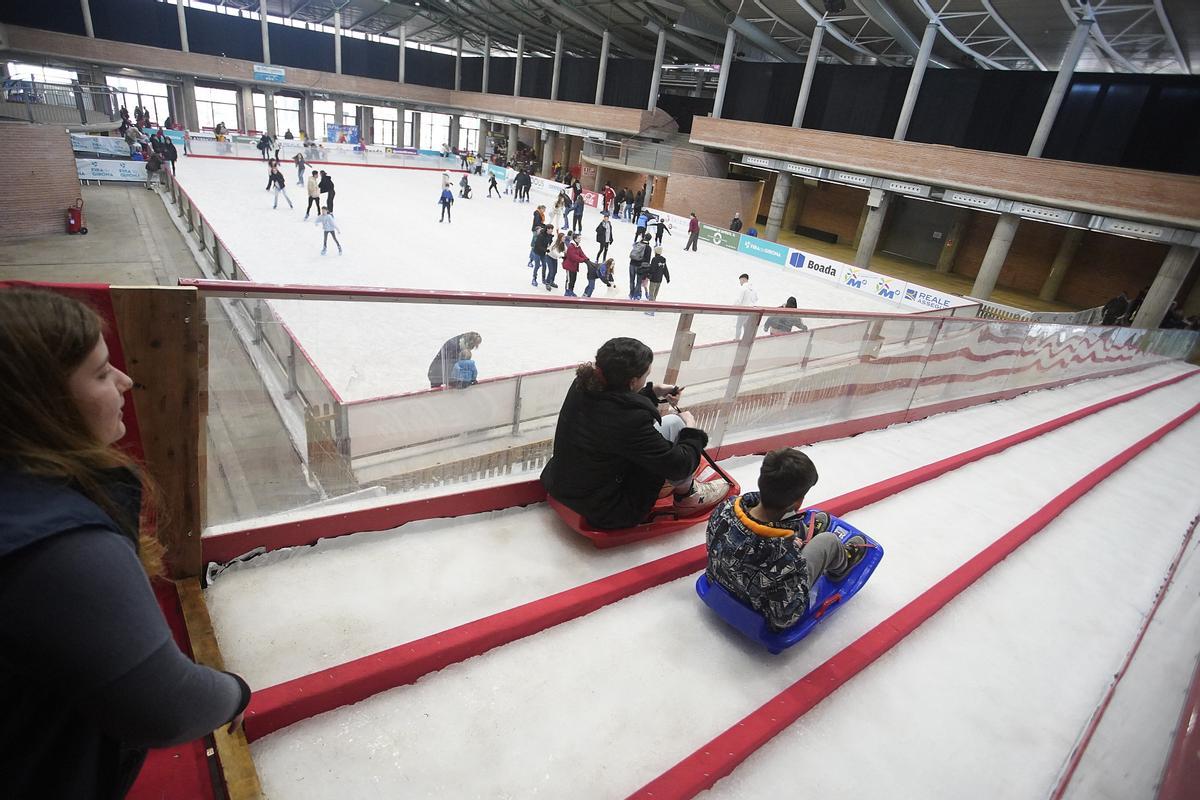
column 783, row 323
column 766, row 554
column 441, row 369
column 613, row 448
column 90, row 675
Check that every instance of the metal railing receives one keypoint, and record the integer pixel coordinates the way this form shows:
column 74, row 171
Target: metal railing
column 989, row 309
column 68, row 104
column 645, row 155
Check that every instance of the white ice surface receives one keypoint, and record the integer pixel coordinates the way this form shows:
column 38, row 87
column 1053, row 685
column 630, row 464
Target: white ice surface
column 287, row 614
column 392, row 238
column 598, row 706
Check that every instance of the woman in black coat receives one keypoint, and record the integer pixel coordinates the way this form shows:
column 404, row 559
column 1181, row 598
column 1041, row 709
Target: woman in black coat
column 613, row 449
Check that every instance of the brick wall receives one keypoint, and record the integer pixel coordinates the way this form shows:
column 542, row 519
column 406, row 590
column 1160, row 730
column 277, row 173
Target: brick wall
column 37, row 171
column 713, row 199
column 832, row 208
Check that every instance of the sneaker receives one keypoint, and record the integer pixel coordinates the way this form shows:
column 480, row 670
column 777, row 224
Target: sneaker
column 322, row 251
column 819, row 522
column 701, row 498
column 534, row 283
column 856, row 547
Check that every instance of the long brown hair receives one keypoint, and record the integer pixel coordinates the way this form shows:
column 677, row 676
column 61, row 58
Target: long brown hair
column 44, row 337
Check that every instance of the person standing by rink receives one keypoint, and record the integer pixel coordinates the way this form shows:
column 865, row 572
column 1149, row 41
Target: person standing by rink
column 735, row 224
column 609, row 197
column 280, row 185
column 326, row 187
column 445, row 201
column 330, row 228
column 693, row 233
column 314, row 194
column 746, row 296
column 91, row 675
column 604, row 236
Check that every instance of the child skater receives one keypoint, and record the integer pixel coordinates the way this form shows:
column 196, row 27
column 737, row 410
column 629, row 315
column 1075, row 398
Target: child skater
column 464, row 373
column 766, row 554
column 330, row 227
column 446, row 200
column 301, row 164
column 280, row 185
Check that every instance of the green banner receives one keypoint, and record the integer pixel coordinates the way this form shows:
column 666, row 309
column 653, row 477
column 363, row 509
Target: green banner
column 719, row 236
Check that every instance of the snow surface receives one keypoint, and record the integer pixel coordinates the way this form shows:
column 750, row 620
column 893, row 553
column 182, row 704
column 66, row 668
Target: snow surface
column 988, row 696
column 391, row 236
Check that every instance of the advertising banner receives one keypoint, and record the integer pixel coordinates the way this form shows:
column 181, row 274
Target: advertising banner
column 94, row 169
column 825, row 268
column 760, row 248
column 719, row 236
column 265, row 72
column 920, row 297
column 107, row 145
column 341, row 134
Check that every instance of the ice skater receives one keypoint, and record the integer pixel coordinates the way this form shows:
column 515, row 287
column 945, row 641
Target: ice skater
column 577, row 214
column 326, row 187
column 280, row 186
column 445, row 201
column 604, row 236
column 492, row 185
column 464, row 188
column 301, row 165
column 314, row 194
column 330, row 228
column 660, row 227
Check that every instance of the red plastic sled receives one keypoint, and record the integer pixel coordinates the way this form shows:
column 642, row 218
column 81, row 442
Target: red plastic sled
column 662, row 519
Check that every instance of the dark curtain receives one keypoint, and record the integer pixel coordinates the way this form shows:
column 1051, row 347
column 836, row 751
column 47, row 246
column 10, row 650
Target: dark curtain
column 684, row 108
column 762, row 92
column 627, row 82
column 294, row 47
column 136, row 22
column 64, row 16
column 577, row 79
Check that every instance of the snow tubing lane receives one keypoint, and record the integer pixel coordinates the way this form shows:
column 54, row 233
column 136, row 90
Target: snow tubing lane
column 284, row 704
column 720, row 756
column 225, row 547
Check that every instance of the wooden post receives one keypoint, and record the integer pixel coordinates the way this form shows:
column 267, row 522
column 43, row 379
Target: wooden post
column 164, row 337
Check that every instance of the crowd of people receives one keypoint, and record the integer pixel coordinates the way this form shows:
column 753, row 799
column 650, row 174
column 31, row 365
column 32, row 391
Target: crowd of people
column 1121, row 310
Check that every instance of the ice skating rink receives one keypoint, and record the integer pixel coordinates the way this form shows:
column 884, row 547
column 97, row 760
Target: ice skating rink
column 987, row 698
column 392, row 238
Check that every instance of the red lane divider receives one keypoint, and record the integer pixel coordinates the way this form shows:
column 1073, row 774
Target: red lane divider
column 1181, row 773
column 286, row 703
column 719, row 757
column 1089, row 730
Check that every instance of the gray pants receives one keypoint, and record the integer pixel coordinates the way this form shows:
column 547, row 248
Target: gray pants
column 824, row 554
column 670, row 427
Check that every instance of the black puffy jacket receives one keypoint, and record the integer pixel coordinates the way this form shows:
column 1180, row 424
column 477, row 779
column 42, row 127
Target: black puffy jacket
column 609, row 461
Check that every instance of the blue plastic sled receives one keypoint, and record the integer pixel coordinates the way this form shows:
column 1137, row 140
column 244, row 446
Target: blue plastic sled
column 825, row 597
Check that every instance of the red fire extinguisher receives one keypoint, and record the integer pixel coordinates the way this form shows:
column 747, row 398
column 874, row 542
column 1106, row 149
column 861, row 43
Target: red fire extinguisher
column 75, row 218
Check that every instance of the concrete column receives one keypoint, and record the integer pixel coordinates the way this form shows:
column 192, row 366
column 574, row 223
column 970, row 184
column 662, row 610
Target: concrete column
column 1170, row 277
column 270, row 101
column 993, row 259
column 337, row 112
column 914, row 81
column 187, row 110
column 656, row 77
column 416, row 130
column 723, row 78
column 810, row 69
column 366, row 125
column 950, row 245
column 337, row 43
column 179, row 13
column 266, row 35
column 698, row 88
column 603, row 69
column 558, row 50
column 1057, row 92
column 779, row 201
column 517, row 70
column 1062, row 264
column 547, row 153
column 91, row 34
column 454, row 123
column 458, row 65
column 873, row 227
column 512, row 142
column 399, row 126
column 403, row 50
column 487, row 60
column 309, row 115
column 245, row 108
